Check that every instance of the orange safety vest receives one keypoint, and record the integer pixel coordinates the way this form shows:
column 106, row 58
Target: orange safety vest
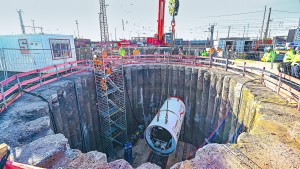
column 212, row 50
column 135, row 52
column 103, row 84
column 104, row 54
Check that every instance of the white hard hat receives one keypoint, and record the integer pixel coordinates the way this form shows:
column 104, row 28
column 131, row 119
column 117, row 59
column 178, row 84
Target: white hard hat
column 95, row 56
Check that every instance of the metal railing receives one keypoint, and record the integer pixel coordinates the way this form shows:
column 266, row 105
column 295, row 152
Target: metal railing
column 282, row 84
column 11, row 87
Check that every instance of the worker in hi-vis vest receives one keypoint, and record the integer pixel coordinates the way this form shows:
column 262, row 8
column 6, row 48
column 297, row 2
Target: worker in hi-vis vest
column 122, row 52
column 296, row 64
column 204, row 53
column 269, row 56
column 288, row 58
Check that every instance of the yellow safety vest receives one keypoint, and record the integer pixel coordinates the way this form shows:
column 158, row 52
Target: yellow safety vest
column 289, row 56
column 269, row 56
column 296, row 59
column 266, row 57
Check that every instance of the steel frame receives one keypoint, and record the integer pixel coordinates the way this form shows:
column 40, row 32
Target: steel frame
column 111, row 105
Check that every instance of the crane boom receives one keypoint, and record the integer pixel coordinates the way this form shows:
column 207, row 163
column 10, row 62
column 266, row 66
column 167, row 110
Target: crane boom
column 161, row 21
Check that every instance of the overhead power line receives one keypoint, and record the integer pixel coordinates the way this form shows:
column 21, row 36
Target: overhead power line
column 245, row 13
column 285, row 11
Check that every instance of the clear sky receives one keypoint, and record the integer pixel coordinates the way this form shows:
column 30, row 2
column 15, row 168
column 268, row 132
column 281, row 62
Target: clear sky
column 195, row 16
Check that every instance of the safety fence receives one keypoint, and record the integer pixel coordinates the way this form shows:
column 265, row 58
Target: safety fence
column 87, row 52
column 13, row 61
column 11, row 88
column 284, row 85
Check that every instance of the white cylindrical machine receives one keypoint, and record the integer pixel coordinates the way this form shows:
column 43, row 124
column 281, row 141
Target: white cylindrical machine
column 163, row 132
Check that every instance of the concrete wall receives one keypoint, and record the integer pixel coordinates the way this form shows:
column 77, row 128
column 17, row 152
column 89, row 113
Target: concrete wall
column 208, row 95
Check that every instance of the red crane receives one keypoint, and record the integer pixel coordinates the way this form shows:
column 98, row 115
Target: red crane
column 159, row 38
column 161, row 21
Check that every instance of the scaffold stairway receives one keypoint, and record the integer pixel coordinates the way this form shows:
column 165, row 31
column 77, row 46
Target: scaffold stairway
column 110, row 102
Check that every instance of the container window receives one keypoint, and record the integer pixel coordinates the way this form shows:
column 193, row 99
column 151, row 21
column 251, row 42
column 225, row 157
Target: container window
column 60, row 48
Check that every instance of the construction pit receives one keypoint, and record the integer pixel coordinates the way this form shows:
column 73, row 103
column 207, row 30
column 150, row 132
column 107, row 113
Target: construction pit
column 230, row 122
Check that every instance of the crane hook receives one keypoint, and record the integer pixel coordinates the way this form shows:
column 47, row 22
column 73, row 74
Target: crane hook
column 173, row 24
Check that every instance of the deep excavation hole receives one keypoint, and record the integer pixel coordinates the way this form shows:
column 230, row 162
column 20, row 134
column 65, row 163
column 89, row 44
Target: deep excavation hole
column 208, row 100
column 211, row 98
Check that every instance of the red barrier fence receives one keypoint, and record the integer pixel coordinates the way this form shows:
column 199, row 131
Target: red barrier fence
column 284, row 85
column 10, row 88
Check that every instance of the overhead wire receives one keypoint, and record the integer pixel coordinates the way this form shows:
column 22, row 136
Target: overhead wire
column 286, row 12
column 243, row 13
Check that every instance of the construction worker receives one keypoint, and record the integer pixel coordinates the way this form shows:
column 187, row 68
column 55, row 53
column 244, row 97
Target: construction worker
column 269, row 56
column 136, row 51
column 296, row 63
column 212, row 52
column 104, row 54
column 108, row 69
column 204, row 53
column 288, row 58
column 122, row 52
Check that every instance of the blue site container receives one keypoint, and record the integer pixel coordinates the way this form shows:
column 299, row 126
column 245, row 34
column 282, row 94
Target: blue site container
column 25, row 52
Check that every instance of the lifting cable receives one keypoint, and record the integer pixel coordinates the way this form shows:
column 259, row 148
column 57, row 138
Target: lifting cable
column 173, row 10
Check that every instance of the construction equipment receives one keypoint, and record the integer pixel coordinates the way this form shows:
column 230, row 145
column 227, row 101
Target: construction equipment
column 159, row 38
column 163, row 132
column 137, row 135
column 110, row 101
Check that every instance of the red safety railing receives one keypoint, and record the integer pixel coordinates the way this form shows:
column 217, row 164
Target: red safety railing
column 10, row 88
column 284, row 85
